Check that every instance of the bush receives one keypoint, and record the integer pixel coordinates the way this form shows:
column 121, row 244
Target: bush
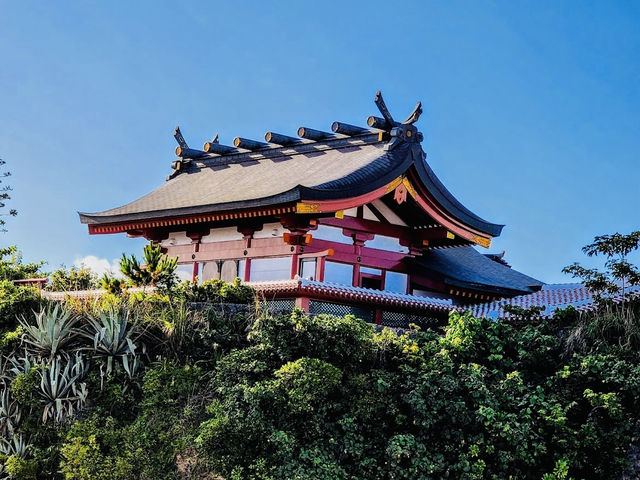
column 218, row 291
column 317, row 396
column 63, row 280
column 294, row 396
column 16, row 301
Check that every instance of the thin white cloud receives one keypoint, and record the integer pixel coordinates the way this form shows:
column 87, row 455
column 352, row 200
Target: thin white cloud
column 99, row 266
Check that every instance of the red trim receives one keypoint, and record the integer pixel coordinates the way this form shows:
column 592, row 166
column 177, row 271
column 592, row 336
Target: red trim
column 433, row 209
column 329, row 206
column 422, row 197
column 368, row 226
column 275, row 247
column 369, row 257
column 295, row 265
column 355, row 278
column 320, row 268
column 120, row 227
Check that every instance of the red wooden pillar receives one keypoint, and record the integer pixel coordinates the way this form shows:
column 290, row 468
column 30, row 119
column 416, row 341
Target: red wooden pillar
column 246, row 275
column 303, row 303
column 195, row 240
column 378, row 317
column 247, row 235
column 295, row 264
column 355, row 280
column 358, row 242
column 320, row 263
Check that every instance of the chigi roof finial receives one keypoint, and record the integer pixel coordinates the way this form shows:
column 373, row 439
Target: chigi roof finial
column 400, row 132
column 183, row 150
column 387, row 122
column 414, row 116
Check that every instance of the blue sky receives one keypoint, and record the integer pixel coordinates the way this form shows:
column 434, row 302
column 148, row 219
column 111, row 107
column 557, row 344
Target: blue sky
column 531, row 109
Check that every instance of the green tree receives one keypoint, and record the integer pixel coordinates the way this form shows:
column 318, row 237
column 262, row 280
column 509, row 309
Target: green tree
column 4, row 196
column 16, row 300
column 619, row 273
column 12, row 268
column 614, row 325
column 76, row 278
column 158, row 270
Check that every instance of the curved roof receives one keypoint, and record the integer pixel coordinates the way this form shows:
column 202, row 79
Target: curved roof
column 465, row 267
column 334, row 168
column 445, row 198
column 283, row 175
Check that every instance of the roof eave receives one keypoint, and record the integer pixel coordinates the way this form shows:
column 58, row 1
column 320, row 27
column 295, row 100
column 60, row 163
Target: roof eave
column 450, row 203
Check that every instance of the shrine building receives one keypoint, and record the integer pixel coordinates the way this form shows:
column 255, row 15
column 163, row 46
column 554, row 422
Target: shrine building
column 348, row 221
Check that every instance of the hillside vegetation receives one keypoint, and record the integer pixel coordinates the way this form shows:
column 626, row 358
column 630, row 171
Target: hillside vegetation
column 143, row 386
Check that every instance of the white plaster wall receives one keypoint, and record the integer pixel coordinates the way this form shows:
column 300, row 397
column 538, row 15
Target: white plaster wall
column 368, row 214
column 222, row 235
column 270, row 230
column 176, row 238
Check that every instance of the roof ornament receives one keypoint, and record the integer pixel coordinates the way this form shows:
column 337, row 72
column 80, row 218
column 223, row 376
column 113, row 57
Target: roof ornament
column 283, row 140
column 184, row 152
column 214, row 146
column 248, row 144
column 400, row 132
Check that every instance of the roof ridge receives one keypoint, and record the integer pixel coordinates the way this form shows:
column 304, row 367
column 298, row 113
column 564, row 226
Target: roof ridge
column 209, row 159
column 385, row 128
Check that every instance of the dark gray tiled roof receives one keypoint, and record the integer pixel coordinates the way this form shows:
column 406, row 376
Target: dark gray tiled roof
column 334, row 167
column 465, row 267
column 317, row 171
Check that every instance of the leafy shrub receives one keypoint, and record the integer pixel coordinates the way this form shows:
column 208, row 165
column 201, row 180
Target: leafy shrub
column 15, row 302
column 218, row 291
column 63, row 280
column 91, row 452
column 486, row 400
column 294, row 396
column 12, row 268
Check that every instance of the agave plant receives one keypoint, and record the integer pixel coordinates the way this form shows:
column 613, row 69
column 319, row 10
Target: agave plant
column 61, row 387
column 10, row 414
column 54, row 329
column 5, row 377
column 23, row 364
column 115, row 336
column 16, row 446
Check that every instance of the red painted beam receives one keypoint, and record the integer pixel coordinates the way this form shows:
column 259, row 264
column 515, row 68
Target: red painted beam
column 368, row 226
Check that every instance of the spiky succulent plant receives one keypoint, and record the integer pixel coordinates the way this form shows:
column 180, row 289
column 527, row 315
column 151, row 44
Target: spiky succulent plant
column 114, row 336
column 62, row 389
column 10, row 414
column 5, row 371
column 53, row 331
column 16, row 445
column 22, row 364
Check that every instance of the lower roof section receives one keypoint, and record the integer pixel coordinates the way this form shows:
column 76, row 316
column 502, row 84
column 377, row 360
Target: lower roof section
column 550, row 298
column 349, row 294
column 465, row 267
